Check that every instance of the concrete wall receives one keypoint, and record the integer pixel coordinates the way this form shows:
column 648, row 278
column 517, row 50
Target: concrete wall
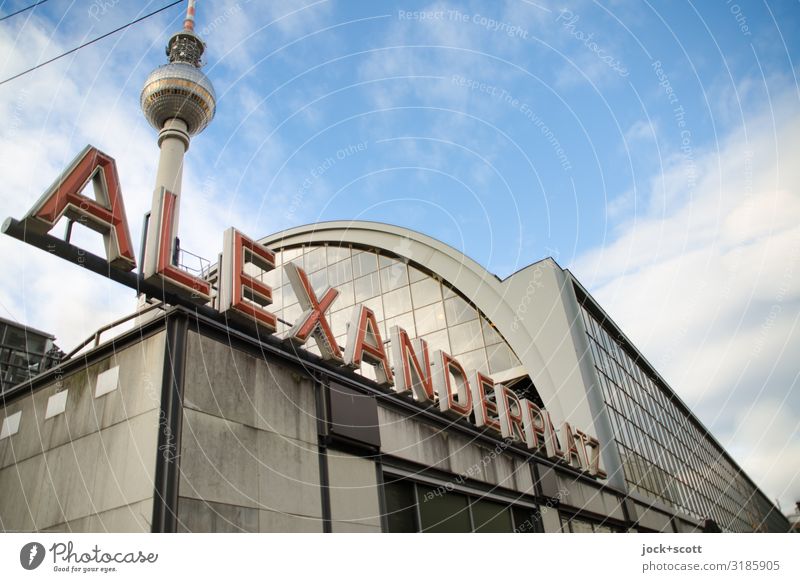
column 249, row 456
column 91, row 467
column 447, row 450
column 354, row 494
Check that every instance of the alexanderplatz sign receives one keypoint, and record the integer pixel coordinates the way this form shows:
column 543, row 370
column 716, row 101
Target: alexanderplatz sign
column 431, row 379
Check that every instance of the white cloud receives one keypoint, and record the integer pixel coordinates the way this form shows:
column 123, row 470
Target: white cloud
column 706, row 281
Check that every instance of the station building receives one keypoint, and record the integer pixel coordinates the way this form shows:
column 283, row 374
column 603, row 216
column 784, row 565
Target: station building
column 194, row 421
column 340, row 377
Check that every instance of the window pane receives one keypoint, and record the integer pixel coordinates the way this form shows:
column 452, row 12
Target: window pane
column 580, row 526
column 490, row 335
column 430, row 318
column 315, row 259
column 397, row 302
column 442, row 511
column 401, row 511
column 364, row 263
column 367, row 287
column 490, row 517
column 526, row 520
column 466, row 337
column 394, row 276
column 340, row 272
column 426, row 292
column 336, row 254
column 459, row 311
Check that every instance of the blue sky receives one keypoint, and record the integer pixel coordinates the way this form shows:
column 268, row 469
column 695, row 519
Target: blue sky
column 648, row 146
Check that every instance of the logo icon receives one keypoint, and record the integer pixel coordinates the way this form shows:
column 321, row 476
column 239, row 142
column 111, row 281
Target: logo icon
column 31, row 555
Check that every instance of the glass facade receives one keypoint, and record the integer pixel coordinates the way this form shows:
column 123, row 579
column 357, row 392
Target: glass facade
column 418, row 507
column 399, row 294
column 666, row 454
column 23, row 354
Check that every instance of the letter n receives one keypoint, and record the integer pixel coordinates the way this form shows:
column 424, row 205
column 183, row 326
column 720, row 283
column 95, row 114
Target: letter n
column 412, row 365
column 452, row 399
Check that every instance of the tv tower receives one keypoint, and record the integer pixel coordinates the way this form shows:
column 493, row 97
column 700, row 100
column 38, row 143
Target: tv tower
column 178, row 100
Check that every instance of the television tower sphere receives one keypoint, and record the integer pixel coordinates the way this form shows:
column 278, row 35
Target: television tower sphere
column 179, row 89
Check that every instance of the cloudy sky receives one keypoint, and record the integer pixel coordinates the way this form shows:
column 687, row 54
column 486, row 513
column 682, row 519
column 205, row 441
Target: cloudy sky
column 650, row 147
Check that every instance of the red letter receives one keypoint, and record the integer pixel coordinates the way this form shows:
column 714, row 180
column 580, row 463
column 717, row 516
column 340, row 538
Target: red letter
column 485, row 410
column 313, row 321
column 592, row 454
column 239, row 293
column 106, row 214
column 364, row 341
column 538, row 429
column 164, row 272
column 411, row 374
column 458, row 401
column 509, row 409
column 571, row 453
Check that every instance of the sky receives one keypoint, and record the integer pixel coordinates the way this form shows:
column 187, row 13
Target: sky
column 649, row 147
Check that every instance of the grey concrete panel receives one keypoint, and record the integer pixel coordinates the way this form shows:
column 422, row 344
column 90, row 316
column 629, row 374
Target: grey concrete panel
column 140, row 368
column 220, row 380
column 219, row 460
column 285, row 402
column 195, row 515
column 126, row 462
column 231, row 384
column 413, row 440
column 134, row 518
column 353, row 489
column 67, row 485
column 140, row 372
column 20, row 485
column 582, row 496
column 272, row 521
column 353, row 527
column 288, row 475
column 687, row 527
column 551, row 522
column 523, row 480
column 652, row 519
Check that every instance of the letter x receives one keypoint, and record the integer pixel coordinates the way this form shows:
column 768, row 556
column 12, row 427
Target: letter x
column 313, row 321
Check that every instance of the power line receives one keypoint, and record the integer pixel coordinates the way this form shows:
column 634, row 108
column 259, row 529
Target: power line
column 77, row 48
column 21, row 10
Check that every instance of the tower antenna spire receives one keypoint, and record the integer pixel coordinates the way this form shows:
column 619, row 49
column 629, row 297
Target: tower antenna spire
column 188, row 24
